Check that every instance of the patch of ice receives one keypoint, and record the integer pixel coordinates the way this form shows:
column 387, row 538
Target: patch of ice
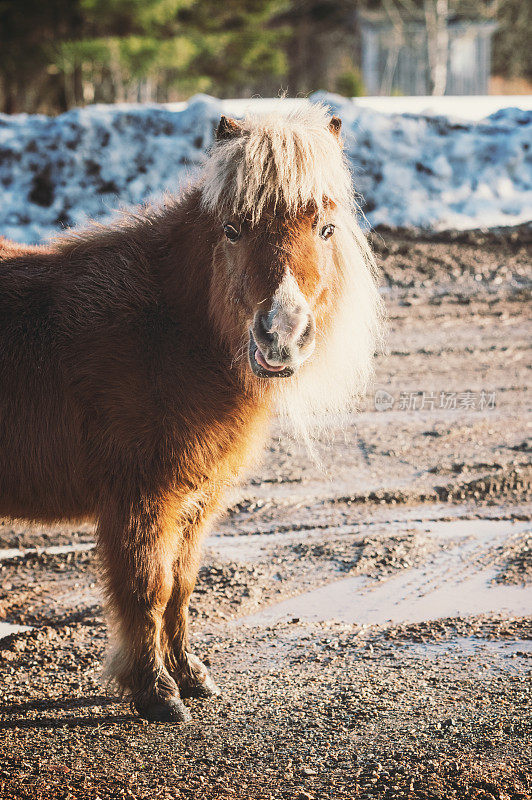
column 6, row 629
column 399, row 599
column 457, row 581
column 54, row 550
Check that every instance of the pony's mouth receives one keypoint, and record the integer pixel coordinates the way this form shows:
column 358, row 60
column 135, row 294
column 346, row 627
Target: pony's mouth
column 260, row 366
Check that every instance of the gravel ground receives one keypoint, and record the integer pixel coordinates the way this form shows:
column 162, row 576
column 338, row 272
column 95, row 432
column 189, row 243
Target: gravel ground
column 366, row 620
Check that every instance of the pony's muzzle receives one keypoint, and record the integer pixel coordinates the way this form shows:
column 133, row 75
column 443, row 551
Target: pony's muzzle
column 280, row 341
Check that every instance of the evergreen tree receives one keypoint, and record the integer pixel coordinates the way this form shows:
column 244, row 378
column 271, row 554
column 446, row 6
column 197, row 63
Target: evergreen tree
column 61, row 53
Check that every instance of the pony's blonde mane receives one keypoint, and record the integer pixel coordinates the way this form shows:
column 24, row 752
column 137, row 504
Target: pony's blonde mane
column 289, row 160
column 277, row 159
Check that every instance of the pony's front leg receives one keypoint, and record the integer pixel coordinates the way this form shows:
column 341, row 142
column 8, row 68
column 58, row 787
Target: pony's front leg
column 137, row 555
column 189, row 672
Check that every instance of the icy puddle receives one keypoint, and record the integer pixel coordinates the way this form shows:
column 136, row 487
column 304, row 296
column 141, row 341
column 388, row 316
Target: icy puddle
column 54, row 550
column 470, row 647
column 6, row 629
column 7, row 554
column 457, row 581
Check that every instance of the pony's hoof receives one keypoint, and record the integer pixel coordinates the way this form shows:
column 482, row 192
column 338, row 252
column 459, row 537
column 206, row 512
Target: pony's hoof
column 204, row 687
column 198, row 683
column 173, row 710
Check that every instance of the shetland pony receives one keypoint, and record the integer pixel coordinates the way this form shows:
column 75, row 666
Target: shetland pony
column 141, row 362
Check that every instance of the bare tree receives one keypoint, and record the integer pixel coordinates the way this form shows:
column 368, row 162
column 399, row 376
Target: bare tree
column 397, row 40
column 436, row 14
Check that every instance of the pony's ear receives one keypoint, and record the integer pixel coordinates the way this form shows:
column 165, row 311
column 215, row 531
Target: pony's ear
column 335, row 126
column 227, row 128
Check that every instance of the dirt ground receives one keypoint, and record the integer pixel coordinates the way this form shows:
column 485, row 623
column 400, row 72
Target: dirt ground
column 367, row 621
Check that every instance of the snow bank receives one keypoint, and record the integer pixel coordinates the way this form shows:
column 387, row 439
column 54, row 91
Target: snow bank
column 411, row 170
column 440, row 172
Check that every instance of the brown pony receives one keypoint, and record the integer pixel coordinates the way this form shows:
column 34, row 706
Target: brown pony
column 140, row 364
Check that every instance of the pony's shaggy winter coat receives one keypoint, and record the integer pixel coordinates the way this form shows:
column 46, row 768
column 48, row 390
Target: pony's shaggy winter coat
column 126, row 396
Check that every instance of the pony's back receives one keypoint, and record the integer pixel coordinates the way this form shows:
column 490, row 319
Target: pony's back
column 10, row 249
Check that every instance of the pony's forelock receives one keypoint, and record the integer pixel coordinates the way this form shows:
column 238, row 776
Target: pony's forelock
column 280, row 159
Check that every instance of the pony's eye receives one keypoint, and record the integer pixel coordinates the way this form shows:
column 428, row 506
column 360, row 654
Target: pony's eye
column 327, row 231
column 231, row 231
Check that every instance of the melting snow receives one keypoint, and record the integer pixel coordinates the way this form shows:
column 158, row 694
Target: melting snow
column 411, row 169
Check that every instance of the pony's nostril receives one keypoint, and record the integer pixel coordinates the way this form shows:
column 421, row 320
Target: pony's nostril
column 307, row 333
column 263, row 329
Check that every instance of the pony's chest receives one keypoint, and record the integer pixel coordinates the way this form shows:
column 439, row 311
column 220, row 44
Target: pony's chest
column 214, row 453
